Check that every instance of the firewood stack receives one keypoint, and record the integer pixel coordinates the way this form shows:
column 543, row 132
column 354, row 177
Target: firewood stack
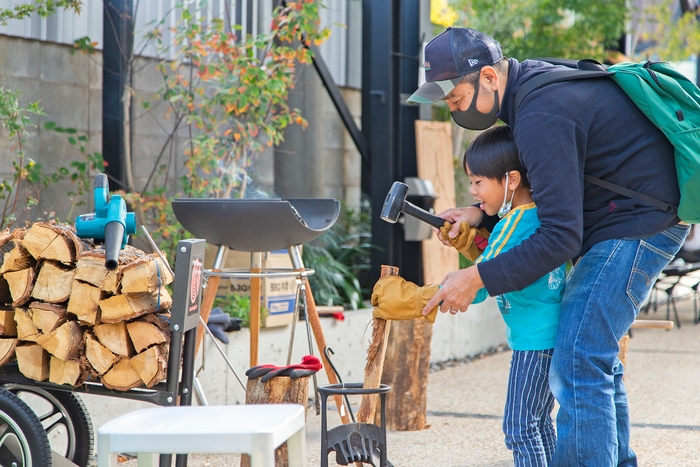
column 67, row 319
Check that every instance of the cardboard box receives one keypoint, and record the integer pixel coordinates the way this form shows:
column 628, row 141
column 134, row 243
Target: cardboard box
column 278, row 295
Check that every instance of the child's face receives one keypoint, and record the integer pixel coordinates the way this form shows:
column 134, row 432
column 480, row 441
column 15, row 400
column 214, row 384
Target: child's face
column 487, row 191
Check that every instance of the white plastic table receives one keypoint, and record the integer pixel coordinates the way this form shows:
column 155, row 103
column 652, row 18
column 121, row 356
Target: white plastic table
column 256, row 430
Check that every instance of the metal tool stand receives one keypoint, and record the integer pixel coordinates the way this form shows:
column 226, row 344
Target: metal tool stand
column 353, row 442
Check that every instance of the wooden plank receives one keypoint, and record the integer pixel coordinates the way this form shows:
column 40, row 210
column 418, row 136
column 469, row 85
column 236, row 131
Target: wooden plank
column 436, row 163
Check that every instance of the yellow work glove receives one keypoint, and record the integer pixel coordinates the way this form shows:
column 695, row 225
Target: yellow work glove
column 395, row 298
column 464, row 241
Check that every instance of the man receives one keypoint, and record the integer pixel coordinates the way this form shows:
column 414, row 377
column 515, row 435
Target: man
column 618, row 244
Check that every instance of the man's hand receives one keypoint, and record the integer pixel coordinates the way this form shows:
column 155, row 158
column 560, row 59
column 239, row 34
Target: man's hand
column 471, row 214
column 457, row 291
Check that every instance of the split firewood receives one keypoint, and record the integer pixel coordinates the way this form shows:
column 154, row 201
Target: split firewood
column 151, row 364
column 54, row 282
column 90, row 268
column 84, row 302
column 20, row 284
column 115, row 338
column 8, row 325
column 5, row 295
column 26, row 329
column 15, row 256
column 65, row 342
column 125, row 307
column 5, row 236
column 121, row 377
column 53, row 242
column 146, row 274
column 71, row 372
column 33, row 361
column 47, row 316
column 7, row 350
column 100, row 357
column 38, row 237
column 148, row 330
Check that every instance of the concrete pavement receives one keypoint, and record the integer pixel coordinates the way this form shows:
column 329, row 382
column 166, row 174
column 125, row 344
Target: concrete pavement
column 465, row 401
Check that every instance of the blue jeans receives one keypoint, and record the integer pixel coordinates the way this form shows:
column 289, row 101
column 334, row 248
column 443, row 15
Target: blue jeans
column 527, row 419
column 603, row 295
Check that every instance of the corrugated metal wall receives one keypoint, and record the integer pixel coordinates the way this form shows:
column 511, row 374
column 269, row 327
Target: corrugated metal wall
column 342, row 52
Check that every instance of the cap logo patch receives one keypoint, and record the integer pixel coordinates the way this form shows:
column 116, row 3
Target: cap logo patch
column 473, row 61
column 427, row 66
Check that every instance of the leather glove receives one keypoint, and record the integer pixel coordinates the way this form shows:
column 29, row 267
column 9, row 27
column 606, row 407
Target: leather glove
column 217, row 322
column 470, row 241
column 395, row 298
column 308, row 366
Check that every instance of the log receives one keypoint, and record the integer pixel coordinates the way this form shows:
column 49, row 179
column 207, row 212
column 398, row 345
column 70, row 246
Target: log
column 121, row 377
column 53, row 242
column 65, row 342
column 71, row 372
column 100, row 357
column 115, row 337
column 8, row 325
column 15, row 256
column 90, row 268
column 376, row 353
column 47, row 316
column 20, row 284
column 151, row 364
column 38, row 237
column 279, row 390
column 26, row 329
column 84, row 302
column 5, row 295
column 148, row 330
column 54, row 282
column 146, row 274
column 406, row 368
column 7, row 350
column 33, row 361
column 129, row 306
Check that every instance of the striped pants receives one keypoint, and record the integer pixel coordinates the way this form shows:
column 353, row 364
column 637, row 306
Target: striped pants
column 527, row 419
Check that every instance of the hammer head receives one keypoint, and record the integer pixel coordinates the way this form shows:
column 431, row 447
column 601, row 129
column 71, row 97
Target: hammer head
column 393, row 204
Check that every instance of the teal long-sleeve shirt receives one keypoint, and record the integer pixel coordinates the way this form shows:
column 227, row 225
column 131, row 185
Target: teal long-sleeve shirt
column 531, row 314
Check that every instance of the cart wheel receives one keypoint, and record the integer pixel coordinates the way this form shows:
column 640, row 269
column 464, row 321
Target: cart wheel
column 65, row 419
column 23, row 440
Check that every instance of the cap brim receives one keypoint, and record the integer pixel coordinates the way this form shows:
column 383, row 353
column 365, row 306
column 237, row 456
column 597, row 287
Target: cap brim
column 431, row 92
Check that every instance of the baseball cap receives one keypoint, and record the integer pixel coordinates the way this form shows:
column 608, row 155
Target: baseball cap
column 449, row 56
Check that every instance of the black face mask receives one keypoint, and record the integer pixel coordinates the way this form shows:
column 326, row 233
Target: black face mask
column 472, row 119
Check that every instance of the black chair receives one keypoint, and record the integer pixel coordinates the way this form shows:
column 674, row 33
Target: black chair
column 676, row 272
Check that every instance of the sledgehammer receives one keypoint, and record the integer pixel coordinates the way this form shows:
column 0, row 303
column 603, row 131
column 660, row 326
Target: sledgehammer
column 395, row 203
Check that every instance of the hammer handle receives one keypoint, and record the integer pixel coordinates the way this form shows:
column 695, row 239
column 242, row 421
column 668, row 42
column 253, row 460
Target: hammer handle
column 413, row 210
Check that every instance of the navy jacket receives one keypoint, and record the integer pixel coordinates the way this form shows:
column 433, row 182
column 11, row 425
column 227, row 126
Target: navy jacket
column 562, row 131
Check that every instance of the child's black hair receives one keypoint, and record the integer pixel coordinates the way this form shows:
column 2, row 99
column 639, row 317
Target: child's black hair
column 493, row 153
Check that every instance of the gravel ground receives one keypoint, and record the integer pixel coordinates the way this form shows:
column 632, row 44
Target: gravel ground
column 465, row 401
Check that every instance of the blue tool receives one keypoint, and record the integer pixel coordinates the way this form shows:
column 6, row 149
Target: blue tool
column 110, row 222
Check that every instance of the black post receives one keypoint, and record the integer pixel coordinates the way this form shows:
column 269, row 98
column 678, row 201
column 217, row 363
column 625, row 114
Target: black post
column 377, row 125
column 117, row 48
column 406, row 57
column 390, row 52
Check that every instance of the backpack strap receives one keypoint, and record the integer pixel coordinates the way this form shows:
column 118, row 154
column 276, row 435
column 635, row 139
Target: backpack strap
column 665, row 207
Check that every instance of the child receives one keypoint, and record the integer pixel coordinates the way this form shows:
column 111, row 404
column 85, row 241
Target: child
column 499, row 183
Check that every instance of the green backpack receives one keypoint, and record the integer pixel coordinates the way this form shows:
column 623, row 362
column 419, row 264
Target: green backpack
column 670, row 100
